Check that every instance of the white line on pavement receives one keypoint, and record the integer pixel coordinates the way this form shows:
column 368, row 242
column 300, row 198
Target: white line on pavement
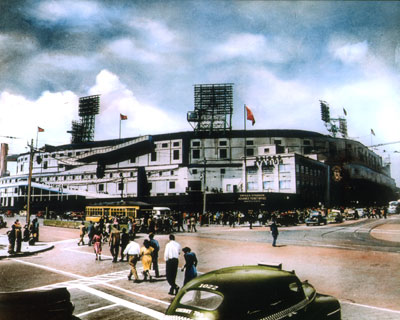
column 133, row 306
column 96, row 310
column 370, row 307
column 50, row 269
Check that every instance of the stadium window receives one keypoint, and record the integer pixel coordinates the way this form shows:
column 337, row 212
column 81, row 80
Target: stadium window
column 223, row 171
column 101, row 187
column 223, row 143
column 196, row 154
column 153, row 156
column 176, row 155
column 176, row 144
column 172, row 184
column 223, row 153
column 249, row 142
column 164, row 145
column 250, row 152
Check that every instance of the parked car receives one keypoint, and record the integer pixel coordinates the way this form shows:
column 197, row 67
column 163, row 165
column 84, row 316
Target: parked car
column 334, row 216
column 287, row 218
column 250, row 293
column 361, row 212
column 316, row 218
column 394, row 207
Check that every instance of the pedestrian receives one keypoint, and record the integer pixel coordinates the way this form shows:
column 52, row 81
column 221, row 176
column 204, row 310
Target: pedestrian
column 97, row 240
column 90, row 231
column 274, row 232
column 114, row 242
column 35, row 223
column 190, row 266
column 11, row 239
column 82, row 232
column 146, row 256
column 132, row 250
column 124, row 242
column 193, row 223
column 171, row 256
column 156, row 246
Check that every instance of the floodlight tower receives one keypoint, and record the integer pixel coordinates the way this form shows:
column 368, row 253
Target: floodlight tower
column 83, row 130
column 213, row 108
column 333, row 125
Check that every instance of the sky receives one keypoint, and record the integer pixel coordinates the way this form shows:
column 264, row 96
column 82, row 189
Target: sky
column 144, row 58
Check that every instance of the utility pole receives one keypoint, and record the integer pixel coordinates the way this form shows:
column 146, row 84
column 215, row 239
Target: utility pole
column 204, row 187
column 28, row 205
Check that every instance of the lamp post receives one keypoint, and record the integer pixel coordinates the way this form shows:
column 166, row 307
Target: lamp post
column 28, row 204
column 204, row 186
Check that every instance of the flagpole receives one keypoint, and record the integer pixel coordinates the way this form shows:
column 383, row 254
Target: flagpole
column 244, row 149
column 37, row 137
column 120, row 120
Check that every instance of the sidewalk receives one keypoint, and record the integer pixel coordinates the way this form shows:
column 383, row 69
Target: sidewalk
column 26, row 249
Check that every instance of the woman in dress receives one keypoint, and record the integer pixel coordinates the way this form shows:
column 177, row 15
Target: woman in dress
column 190, row 265
column 97, row 239
column 145, row 254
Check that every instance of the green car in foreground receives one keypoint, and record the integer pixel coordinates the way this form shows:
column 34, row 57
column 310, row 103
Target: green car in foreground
column 262, row 292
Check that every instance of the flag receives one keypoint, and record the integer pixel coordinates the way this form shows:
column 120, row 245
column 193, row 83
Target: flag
column 344, row 111
column 39, row 129
column 123, row 117
column 250, row 115
column 372, row 132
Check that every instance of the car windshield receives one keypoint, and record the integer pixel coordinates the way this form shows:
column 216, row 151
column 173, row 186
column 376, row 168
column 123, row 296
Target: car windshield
column 201, row 299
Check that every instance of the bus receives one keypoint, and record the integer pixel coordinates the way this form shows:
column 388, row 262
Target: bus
column 121, row 211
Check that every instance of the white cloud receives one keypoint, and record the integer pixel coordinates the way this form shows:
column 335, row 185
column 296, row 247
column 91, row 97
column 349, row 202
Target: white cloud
column 143, row 118
column 78, row 11
column 21, row 117
column 255, row 47
column 154, row 32
column 350, row 53
column 128, row 49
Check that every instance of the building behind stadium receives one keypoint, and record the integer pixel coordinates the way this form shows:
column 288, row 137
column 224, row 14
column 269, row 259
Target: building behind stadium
column 210, row 168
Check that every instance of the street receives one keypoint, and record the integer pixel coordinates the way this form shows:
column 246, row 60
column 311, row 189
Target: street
column 353, row 261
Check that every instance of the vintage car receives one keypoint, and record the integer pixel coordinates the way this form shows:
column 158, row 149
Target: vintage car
column 315, row 217
column 334, row 216
column 251, row 293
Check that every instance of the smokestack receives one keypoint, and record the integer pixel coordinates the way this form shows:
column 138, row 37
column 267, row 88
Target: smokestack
column 3, row 159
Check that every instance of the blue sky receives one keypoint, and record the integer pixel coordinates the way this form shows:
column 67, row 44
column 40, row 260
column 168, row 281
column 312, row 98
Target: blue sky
column 144, row 57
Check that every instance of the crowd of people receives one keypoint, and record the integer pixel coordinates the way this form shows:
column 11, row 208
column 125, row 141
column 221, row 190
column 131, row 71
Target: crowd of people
column 16, row 235
column 122, row 244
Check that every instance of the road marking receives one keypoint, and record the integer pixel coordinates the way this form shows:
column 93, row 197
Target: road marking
column 370, row 307
column 50, row 269
column 130, row 305
column 96, row 310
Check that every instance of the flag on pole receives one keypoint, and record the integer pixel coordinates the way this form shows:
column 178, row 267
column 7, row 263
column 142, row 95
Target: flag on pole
column 39, row 129
column 372, row 132
column 123, row 117
column 344, row 111
column 250, row 115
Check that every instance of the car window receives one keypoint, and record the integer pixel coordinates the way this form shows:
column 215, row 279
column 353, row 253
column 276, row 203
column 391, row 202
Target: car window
column 201, row 299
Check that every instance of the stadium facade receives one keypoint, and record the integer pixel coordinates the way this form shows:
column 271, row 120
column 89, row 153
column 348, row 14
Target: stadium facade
column 202, row 170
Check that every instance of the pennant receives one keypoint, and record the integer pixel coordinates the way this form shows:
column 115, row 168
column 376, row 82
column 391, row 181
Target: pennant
column 250, row 115
column 39, row 129
column 372, row 132
column 344, row 111
column 123, row 117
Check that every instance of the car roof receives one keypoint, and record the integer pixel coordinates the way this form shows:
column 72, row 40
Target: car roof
column 233, row 279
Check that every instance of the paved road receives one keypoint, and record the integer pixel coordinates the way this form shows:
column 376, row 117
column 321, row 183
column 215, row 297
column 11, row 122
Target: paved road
column 330, row 257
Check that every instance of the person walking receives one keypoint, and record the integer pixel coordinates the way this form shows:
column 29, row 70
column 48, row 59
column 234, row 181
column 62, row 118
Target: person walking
column 124, row 242
column 11, row 239
column 146, row 256
column 274, row 232
column 97, row 241
column 190, row 266
column 132, row 250
column 193, row 223
column 114, row 242
column 82, row 232
column 90, row 231
column 156, row 246
column 171, row 256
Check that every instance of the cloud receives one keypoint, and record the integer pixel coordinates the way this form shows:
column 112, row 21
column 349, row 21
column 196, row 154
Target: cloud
column 254, row 48
column 75, row 12
column 128, row 49
column 143, row 118
column 350, row 53
column 21, row 117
